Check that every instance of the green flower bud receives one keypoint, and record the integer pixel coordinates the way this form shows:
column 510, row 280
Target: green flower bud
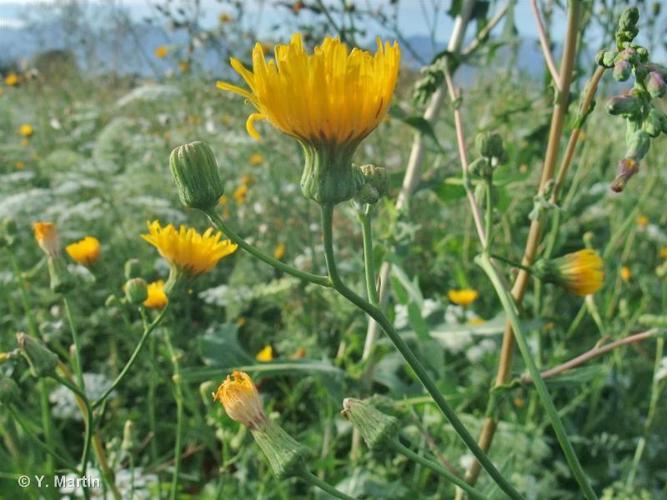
column 7, row 233
column 136, row 291
column 653, row 123
column 195, row 173
column 132, row 269
column 60, row 278
column 41, row 360
column 284, row 453
column 9, row 391
column 481, row 167
column 328, row 175
column 373, row 425
column 629, row 18
column 638, row 144
column 606, row 58
column 626, row 105
column 128, row 436
column 655, row 84
column 375, row 184
column 490, row 145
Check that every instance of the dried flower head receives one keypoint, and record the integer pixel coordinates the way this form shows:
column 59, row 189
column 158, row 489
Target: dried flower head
column 241, row 401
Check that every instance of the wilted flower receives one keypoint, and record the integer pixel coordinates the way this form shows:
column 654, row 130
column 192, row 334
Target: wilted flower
column 241, row 401
column 463, row 297
column 187, row 250
column 329, row 101
column 157, row 297
column 85, row 251
column 47, row 238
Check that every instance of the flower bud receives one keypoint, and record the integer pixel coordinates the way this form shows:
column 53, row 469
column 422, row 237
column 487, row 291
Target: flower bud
column 490, row 145
column 41, row 360
column 241, row 401
column 376, row 177
column 655, row 84
column 9, row 391
column 625, row 104
column 328, row 175
column 136, row 290
column 629, row 18
column 653, row 123
column 622, row 71
column 132, row 269
column 606, row 58
column 195, row 173
column 128, row 437
column 481, row 167
column 373, row 425
column 637, row 144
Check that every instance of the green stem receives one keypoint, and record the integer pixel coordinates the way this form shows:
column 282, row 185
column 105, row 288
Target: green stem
column 408, row 355
column 488, row 212
column 369, row 261
column 88, row 420
column 178, row 392
column 133, row 357
column 219, row 224
column 45, row 408
column 77, row 345
column 151, row 401
column 311, row 478
column 484, row 261
column 437, row 468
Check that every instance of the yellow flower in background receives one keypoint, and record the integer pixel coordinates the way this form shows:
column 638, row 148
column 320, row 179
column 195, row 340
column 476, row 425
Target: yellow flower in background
column 256, row 160
column 333, row 96
column 663, row 252
column 223, row 200
column 26, row 130
column 161, row 52
column 625, row 273
column 20, row 165
column 265, row 355
column 188, row 250
column 239, row 396
column 225, row 18
column 463, row 297
column 240, row 194
column 47, row 237
column 184, row 66
column 642, row 221
column 157, row 297
column 476, row 321
column 85, row 251
column 248, row 180
column 580, row 272
column 279, row 251
column 12, row 79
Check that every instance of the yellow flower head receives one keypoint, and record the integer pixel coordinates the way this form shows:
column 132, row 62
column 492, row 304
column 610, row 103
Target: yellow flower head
column 241, row 401
column 186, row 249
column 332, row 96
column 26, row 130
column 663, row 252
column 157, row 298
column 626, row 274
column 225, row 18
column 580, row 272
column 184, row 66
column 47, row 237
column 161, row 52
column 241, row 193
column 20, row 165
column 86, row 251
column 12, row 79
column 279, row 251
column 256, row 160
column 463, row 297
column 265, row 355
column 642, row 221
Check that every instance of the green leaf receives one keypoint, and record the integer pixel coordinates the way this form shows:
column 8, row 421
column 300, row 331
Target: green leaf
column 417, row 122
column 448, row 191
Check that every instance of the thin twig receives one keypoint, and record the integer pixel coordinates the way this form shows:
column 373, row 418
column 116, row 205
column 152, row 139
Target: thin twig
column 544, row 42
column 484, row 32
column 596, row 351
